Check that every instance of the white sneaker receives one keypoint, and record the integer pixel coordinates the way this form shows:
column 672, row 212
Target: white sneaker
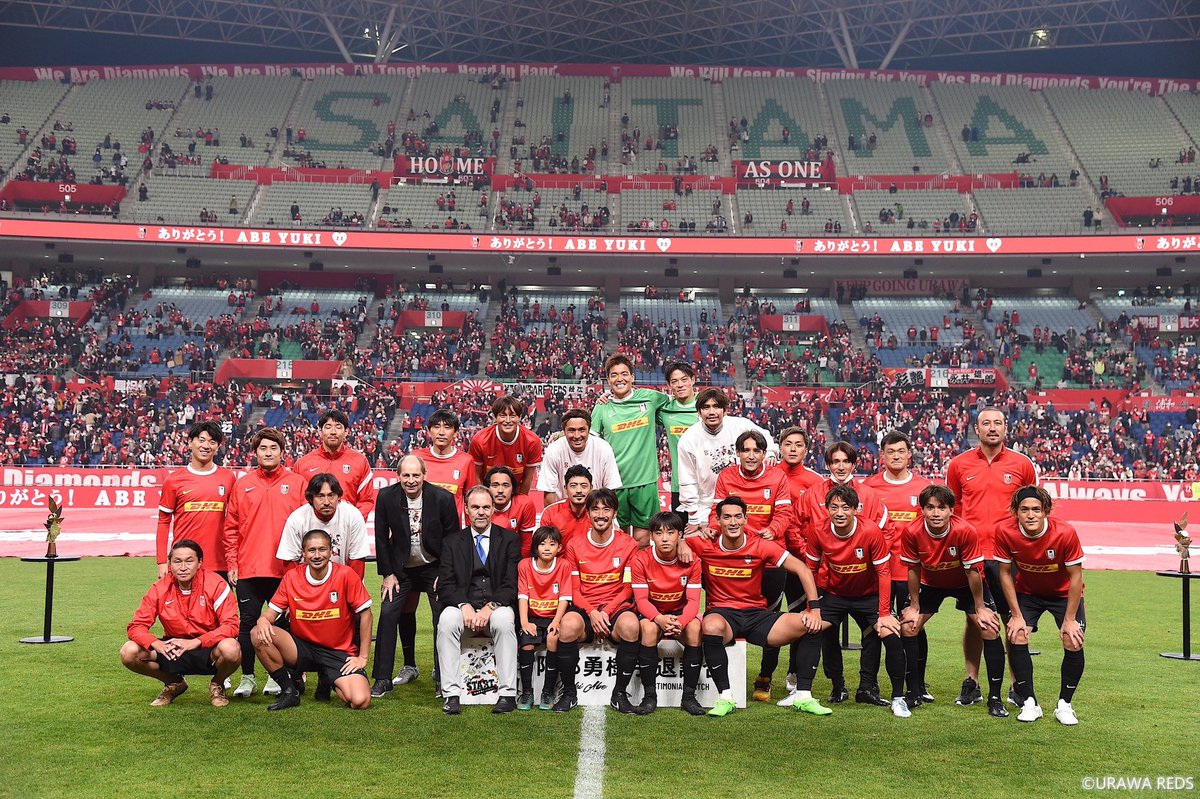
column 271, row 688
column 1030, row 711
column 228, row 684
column 1065, row 714
column 790, row 683
column 246, row 687
column 900, row 708
column 788, row 700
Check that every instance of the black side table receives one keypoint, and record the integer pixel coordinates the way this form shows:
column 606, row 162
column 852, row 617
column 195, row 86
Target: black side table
column 1186, row 580
column 46, row 637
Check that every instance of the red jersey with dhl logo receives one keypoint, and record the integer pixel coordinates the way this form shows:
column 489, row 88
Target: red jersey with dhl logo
column 544, row 589
column 601, row 572
column 323, row 611
column 903, row 509
column 523, row 452
column 768, row 500
column 943, row 559
column 1040, row 563
column 855, row 565
column 733, row 578
column 667, row 587
column 454, row 472
column 195, row 501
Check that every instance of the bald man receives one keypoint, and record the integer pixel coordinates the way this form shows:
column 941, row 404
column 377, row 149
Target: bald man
column 412, row 516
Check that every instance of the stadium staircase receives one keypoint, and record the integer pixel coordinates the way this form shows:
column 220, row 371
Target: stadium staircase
column 1064, row 145
column 371, row 328
column 276, row 158
column 723, row 152
column 504, row 161
column 613, row 165
column 857, row 335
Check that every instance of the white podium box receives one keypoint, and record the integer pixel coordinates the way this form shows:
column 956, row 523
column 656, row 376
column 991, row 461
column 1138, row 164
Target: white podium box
column 598, row 671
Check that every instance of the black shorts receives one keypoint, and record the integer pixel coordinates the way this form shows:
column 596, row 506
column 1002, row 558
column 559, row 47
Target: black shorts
column 1032, row 608
column 195, row 661
column 753, row 624
column 589, row 635
column 864, row 610
column 931, row 599
column 991, row 582
column 900, row 597
column 323, row 660
column 542, row 623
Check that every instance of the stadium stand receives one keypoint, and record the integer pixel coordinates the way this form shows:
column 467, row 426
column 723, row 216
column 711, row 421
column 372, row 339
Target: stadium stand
column 191, row 201
column 244, row 109
column 28, row 105
column 774, row 105
column 676, row 113
column 344, row 120
column 558, row 134
column 914, row 213
column 890, row 112
column 409, row 205
column 768, row 210
column 318, row 204
column 1033, row 211
column 647, row 209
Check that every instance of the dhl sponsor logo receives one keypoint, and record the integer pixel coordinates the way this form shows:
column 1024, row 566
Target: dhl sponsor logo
column 758, row 510
column 632, row 424
column 550, row 605
column 606, row 577
column 847, row 568
column 451, row 487
column 902, row 515
column 1037, row 568
column 678, row 429
column 204, row 507
column 318, row 615
column 666, row 598
column 727, row 571
column 942, row 566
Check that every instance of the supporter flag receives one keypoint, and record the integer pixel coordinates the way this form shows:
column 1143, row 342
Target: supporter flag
column 480, row 386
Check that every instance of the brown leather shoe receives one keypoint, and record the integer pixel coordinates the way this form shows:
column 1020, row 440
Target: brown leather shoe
column 169, row 693
column 216, row 694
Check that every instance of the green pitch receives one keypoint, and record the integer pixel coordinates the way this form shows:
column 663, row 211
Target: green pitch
column 76, row 723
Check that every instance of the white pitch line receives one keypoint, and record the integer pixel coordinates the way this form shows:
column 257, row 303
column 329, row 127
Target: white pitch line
column 589, row 775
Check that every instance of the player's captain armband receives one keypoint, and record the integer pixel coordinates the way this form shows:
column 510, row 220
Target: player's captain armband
column 627, row 576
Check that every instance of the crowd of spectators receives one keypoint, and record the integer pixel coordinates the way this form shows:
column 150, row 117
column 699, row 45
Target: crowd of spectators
column 532, row 343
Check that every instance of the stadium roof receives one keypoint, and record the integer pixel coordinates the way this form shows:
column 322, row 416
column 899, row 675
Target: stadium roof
column 792, row 33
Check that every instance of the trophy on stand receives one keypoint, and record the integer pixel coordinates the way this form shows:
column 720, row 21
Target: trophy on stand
column 54, row 527
column 1183, row 544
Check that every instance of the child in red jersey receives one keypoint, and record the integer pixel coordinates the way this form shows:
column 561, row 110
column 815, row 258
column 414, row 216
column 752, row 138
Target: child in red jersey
column 543, row 594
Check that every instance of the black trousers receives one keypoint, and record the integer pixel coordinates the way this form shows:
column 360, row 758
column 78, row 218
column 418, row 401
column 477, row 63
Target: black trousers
column 421, row 579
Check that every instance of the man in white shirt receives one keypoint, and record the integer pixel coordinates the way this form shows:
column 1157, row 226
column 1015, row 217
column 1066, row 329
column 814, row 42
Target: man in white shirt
column 577, row 447
column 325, row 511
column 705, row 449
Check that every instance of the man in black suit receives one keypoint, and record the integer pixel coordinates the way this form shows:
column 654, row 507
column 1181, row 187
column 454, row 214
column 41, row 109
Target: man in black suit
column 477, row 587
column 412, row 517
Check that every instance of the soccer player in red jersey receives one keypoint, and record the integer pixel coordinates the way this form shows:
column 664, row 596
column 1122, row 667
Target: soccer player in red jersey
column 943, row 557
column 512, row 512
column 794, row 445
column 255, row 516
column 1047, row 559
column 508, row 443
column 602, row 601
column 856, row 555
column 983, row 480
column 899, row 488
column 445, row 464
column 334, row 457
column 570, row 515
column 667, row 593
column 769, row 515
column 199, row 621
column 732, row 571
column 543, row 594
column 330, row 631
column 193, row 499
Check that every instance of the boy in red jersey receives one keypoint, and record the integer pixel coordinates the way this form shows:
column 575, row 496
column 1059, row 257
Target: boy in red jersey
column 508, row 443
column 794, row 445
column 856, row 557
column 769, row 515
column 255, row 517
column 667, row 593
column 331, row 622
column 334, row 457
column 543, row 594
column 944, row 561
column 193, row 499
column 512, row 512
column 199, row 620
column 570, row 515
column 602, row 601
column 1048, row 560
column 445, row 464
column 732, row 569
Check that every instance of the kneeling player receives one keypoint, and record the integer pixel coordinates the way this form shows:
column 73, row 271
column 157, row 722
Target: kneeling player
column 943, row 557
column 200, row 625
column 732, row 570
column 602, row 601
column 856, row 560
column 543, row 594
column 1048, row 560
column 324, row 599
column 667, row 593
